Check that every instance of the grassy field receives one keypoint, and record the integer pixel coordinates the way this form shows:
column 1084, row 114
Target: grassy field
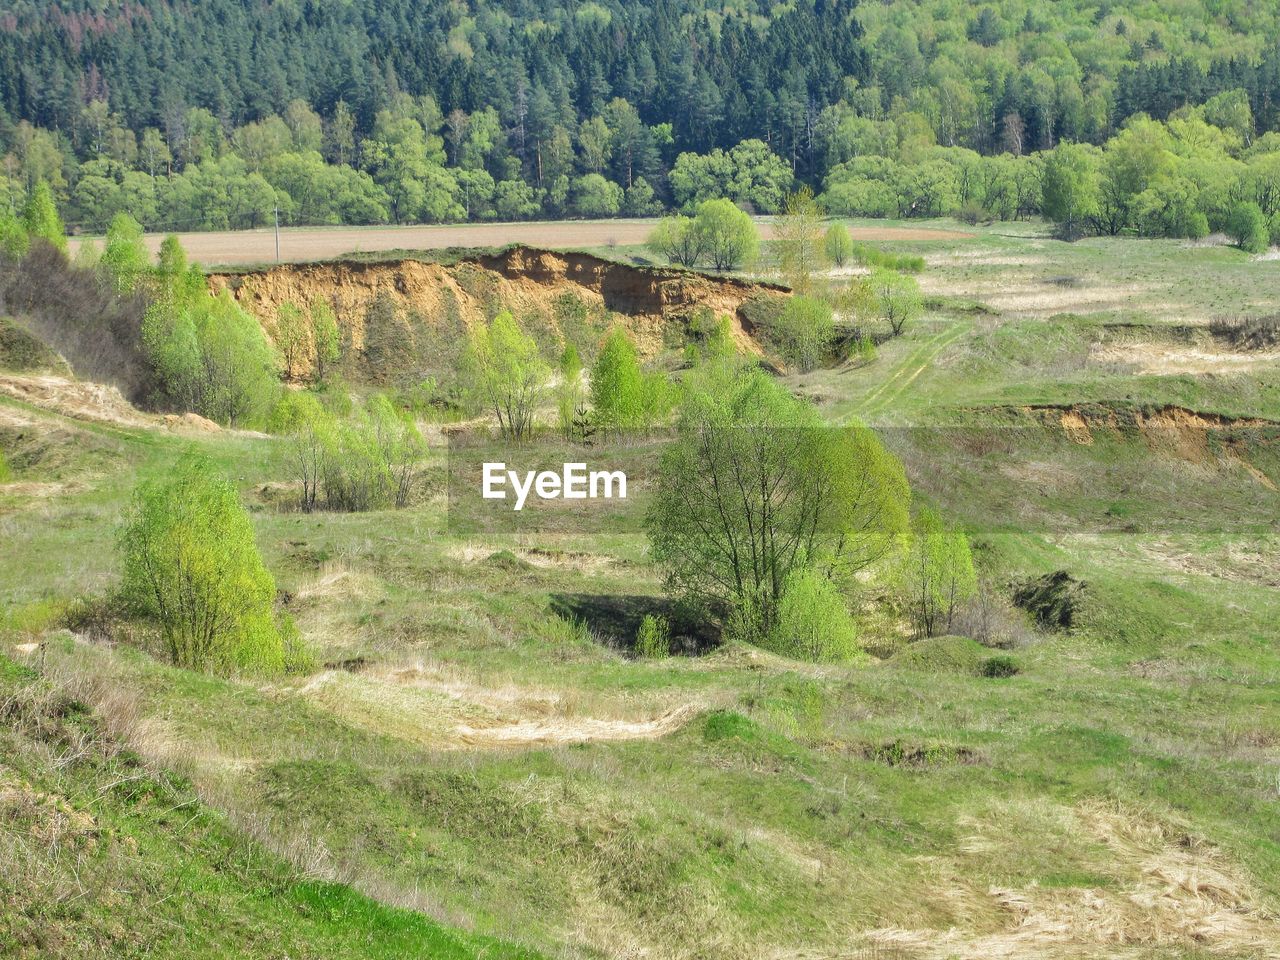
column 469, row 773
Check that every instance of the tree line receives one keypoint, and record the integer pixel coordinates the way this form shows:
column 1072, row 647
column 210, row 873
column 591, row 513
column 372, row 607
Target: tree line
column 385, row 111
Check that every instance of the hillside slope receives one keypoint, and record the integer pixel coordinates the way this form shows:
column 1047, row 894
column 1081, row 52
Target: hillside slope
column 403, row 315
column 102, row 856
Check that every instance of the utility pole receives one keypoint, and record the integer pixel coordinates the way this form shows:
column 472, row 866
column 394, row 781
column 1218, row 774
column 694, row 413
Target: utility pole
column 277, row 209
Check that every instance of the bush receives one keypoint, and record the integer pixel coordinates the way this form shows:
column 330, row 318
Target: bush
column 940, row 574
column 190, row 562
column 208, row 353
column 838, row 243
column 813, row 621
column 898, row 298
column 653, row 638
column 869, row 256
column 804, row 331
column 5, row 473
column 999, row 667
column 973, row 213
column 623, row 396
column 1247, row 226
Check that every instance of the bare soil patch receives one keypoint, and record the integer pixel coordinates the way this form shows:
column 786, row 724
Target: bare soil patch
column 299, row 244
column 73, row 398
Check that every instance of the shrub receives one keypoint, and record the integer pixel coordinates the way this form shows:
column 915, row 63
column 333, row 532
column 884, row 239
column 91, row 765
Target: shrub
column 208, row 353
column 5, row 473
column 1247, row 226
column 507, row 374
column 972, row 213
column 190, row 561
column 624, row 397
column 898, row 297
column 999, row 667
column 869, row 256
column 804, row 331
column 866, row 349
column 569, row 389
column 653, row 638
column 813, row 620
column 353, row 473
column 795, row 494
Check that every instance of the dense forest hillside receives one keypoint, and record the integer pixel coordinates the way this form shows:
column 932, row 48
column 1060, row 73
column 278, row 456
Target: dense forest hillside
column 210, row 115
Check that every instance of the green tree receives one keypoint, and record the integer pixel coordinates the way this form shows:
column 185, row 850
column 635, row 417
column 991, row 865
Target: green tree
column 569, row 392
column 678, row 240
column 617, row 383
column 750, row 174
column 14, row 242
column 756, row 486
column 838, row 244
column 40, row 217
column 189, row 560
column 898, row 297
column 290, row 337
column 506, row 374
column 209, row 354
column 400, row 445
column 940, row 573
column 1070, row 187
column 798, row 240
column 310, row 430
column 730, row 239
column 594, row 196
column 325, row 337
column 124, row 259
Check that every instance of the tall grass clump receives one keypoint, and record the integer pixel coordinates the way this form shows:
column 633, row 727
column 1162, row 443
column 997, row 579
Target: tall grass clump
column 190, row 563
column 653, row 638
column 869, row 256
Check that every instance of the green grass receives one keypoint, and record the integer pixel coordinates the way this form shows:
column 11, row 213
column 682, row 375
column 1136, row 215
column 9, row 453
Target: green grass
column 129, row 862
column 795, row 806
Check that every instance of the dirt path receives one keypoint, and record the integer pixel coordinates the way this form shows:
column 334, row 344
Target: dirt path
column 908, row 369
column 319, row 243
column 570, row 730
column 439, row 708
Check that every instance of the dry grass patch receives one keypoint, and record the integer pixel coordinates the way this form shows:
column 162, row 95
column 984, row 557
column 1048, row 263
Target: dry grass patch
column 1166, row 889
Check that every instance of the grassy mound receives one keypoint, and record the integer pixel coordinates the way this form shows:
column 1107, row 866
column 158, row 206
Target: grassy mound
column 102, row 857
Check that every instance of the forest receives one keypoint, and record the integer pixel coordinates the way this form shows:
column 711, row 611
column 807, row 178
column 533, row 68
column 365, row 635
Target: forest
column 218, row 115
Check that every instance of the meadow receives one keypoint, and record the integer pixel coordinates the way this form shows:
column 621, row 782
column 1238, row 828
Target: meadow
column 479, row 766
